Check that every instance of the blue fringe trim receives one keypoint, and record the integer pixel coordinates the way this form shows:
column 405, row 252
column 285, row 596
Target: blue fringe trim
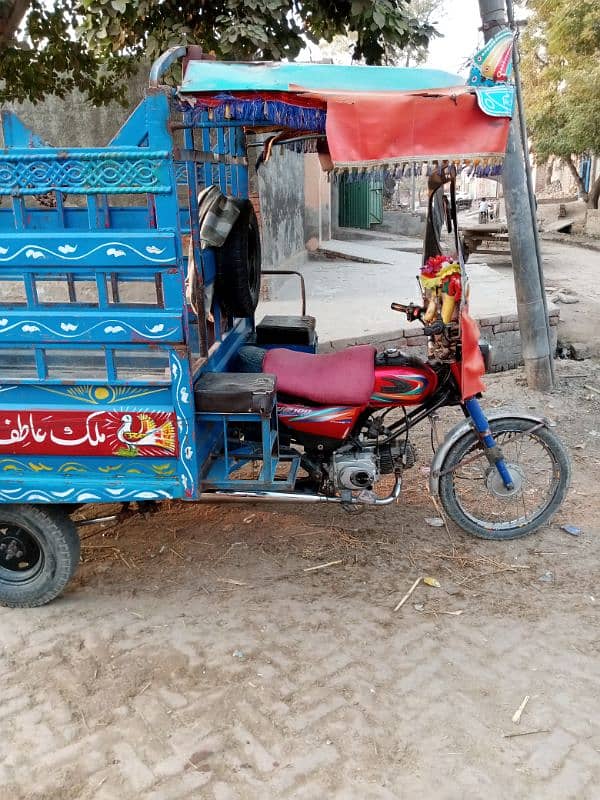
column 488, row 171
column 254, row 111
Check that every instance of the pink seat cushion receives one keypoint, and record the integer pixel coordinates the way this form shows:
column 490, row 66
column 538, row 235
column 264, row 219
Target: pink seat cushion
column 344, row 378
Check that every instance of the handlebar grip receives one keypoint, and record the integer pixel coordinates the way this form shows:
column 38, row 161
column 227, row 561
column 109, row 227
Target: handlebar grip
column 412, row 311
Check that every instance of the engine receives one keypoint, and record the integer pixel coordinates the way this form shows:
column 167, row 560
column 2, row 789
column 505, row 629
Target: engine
column 355, row 470
column 399, row 455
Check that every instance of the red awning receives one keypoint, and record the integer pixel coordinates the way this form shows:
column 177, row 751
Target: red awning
column 367, row 130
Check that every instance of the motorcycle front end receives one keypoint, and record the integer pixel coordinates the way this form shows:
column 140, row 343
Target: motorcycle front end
column 498, row 475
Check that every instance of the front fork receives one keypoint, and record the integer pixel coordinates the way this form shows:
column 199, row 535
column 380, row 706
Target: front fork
column 493, row 452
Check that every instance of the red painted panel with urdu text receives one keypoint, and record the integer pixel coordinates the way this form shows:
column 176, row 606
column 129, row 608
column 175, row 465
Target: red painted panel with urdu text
column 88, row 433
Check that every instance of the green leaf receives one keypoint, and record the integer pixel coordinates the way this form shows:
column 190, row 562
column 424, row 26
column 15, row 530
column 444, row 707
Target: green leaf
column 92, row 45
column 378, row 18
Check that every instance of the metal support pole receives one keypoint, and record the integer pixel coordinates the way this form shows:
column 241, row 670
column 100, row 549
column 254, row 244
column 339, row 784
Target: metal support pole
column 530, row 190
column 522, row 230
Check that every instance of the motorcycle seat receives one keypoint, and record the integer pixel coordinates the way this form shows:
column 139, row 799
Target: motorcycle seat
column 343, row 378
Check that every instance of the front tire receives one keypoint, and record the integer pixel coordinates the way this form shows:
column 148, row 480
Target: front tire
column 473, row 495
column 39, row 553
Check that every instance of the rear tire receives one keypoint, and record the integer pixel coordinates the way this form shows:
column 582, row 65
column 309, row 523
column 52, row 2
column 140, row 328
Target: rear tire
column 39, row 553
column 237, row 285
column 474, row 503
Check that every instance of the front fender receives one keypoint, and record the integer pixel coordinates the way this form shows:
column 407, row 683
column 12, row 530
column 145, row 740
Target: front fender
column 464, row 427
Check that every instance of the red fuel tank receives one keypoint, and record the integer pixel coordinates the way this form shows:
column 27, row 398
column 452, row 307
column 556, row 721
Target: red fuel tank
column 401, row 381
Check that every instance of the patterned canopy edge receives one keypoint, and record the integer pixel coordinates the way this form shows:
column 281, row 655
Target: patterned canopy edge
column 372, row 116
column 480, row 167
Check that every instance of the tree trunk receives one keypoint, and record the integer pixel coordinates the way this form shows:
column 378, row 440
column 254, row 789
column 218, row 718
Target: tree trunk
column 10, row 19
column 594, row 195
column 579, row 180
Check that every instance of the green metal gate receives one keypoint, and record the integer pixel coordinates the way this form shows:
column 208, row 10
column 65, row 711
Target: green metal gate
column 360, row 202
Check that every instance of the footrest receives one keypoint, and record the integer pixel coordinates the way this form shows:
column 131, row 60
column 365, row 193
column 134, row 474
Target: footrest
column 286, row 330
column 235, row 393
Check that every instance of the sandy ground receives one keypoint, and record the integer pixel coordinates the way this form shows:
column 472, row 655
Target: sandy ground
column 195, row 657
column 350, row 285
column 352, row 299
column 570, row 267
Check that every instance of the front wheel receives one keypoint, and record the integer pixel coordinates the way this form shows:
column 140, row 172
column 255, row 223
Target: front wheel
column 474, row 496
column 39, row 552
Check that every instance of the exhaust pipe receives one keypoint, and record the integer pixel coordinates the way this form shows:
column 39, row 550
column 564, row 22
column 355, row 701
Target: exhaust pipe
column 224, row 496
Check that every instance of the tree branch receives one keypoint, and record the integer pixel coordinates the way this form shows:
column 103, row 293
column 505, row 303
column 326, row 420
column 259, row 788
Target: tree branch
column 10, row 19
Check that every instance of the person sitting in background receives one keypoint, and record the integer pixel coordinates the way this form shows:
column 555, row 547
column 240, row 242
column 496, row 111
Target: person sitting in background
column 483, row 211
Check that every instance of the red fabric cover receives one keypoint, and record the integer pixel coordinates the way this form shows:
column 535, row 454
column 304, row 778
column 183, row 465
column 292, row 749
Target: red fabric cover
column 402, row 126
column 473, row 365
column 344, row 378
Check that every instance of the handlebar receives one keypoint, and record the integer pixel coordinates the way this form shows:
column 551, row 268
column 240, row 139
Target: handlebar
column 434, row 329
column 414, row 313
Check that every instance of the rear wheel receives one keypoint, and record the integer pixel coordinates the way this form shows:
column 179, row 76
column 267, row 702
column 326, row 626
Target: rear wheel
column 39, row 553
column 238, row 265
column 474, row 496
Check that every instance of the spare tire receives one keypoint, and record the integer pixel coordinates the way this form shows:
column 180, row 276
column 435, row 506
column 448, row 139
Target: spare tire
column 237, row 282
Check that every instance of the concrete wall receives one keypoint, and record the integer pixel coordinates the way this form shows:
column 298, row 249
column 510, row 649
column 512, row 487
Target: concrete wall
column 404, row 223
column 504, row 335
column 74, row 123
column 592, row 222
column 501, row 332
column 317, row 203
column 554, row 180
column 281, row 193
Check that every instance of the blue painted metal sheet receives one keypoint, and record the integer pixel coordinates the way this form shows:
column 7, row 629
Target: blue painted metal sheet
column 42, row 488
column 219, row 76
column 84, row 171
column 96, row 337
column 81, row 480
column 77, row 220
column 81, row 395
column 67, row 324
column 96, row 400
column 68, row 249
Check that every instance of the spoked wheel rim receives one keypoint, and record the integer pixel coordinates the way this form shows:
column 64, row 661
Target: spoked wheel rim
column 478, row 487
column 21, row 554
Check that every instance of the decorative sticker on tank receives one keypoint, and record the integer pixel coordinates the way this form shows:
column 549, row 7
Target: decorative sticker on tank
column 339, row 414
column 145, row 433
column 333, row 422
column 391, row 388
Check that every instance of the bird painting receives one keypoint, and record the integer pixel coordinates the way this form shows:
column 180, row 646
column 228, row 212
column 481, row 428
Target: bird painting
column 147, row 433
